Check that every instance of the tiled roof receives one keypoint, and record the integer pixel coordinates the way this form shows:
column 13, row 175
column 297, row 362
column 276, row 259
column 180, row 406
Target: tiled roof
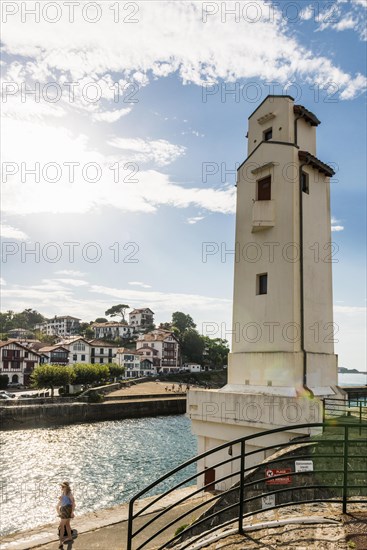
column 156, row 335
column 141, row 310
column 111, row 324
column 101, row 344
column 8, row 342
column 52, row 348
column 309, row 117
column 304, row 156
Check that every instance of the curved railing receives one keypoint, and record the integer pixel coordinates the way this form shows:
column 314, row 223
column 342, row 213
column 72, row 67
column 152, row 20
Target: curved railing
column 343, row 481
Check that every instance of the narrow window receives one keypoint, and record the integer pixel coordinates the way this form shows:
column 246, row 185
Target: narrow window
column 305, row 183
column 262, row 283
column 264, row 189
column 268, row 134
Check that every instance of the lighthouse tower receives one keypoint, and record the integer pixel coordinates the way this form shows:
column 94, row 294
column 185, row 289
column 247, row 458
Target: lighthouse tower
column 282, row 361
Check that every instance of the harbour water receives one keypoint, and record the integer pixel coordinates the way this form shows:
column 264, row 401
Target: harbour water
column 106, row 462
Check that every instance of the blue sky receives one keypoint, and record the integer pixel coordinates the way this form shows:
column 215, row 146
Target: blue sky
column 175, row 55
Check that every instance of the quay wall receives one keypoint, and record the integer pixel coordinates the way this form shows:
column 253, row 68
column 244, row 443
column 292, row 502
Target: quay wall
column 58, row 414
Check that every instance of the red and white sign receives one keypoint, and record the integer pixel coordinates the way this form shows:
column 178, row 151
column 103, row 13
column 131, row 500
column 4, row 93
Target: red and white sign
column 285, row 480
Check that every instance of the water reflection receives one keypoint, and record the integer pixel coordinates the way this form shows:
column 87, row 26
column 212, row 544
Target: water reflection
column 106, row 462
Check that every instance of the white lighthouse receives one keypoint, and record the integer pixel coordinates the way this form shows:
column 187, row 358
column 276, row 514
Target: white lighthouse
column 282, row 361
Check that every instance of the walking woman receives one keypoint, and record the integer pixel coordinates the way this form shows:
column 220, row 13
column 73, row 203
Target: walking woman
column 65, row 509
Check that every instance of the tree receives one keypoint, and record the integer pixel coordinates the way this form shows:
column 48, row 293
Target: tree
column 120, row 310
column 216, row 351
column 101, row 320
column 4, row 381
column 116, row 370
column 85, row 373
column 165, row 326
column 180, row 323
column 192, row 346
column 86, row 330
column 49, row 376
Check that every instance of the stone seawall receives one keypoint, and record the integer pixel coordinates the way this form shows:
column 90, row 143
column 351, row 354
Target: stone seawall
column 40, row 416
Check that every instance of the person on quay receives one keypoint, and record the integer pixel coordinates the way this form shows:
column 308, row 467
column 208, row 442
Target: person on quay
column 65, row 510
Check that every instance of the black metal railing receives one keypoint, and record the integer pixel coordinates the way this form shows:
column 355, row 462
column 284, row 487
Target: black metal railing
column 336, row 449
column 351, row 407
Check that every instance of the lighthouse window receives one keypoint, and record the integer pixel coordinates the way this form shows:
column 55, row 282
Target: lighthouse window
column 264, row 189
column 268, row 134
column 262, row 284
column 305, row 183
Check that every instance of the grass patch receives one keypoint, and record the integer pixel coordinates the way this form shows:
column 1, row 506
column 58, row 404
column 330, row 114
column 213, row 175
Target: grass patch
column 328, row 457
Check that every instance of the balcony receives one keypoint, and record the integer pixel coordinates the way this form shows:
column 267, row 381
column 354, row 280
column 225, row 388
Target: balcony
column 263, row 215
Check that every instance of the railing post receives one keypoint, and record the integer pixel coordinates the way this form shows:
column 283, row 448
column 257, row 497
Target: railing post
column 242, row 489
column 360, row 419
column 345, row 468
column 130, row 526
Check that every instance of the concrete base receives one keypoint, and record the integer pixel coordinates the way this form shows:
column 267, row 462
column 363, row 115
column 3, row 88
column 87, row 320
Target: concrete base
column 219, row 416
column 282, row 369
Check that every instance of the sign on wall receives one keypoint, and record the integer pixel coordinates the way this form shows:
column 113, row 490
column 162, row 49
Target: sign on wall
column 303, row 466
column 271, row 472
column 268, row 501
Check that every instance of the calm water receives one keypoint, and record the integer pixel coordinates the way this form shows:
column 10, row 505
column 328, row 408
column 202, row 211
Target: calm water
column 106, row 462
column 352, row 379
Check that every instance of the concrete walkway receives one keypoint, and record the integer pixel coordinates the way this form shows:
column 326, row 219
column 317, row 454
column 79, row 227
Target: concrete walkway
column 107, row 529
column 319, row 526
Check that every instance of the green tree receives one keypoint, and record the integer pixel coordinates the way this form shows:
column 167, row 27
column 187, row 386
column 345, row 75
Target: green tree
column 165, row 326
column 86, row 330
column 50, row 376
column 4, row 381
column 103, row 373
column 118, row 310
column 115, row 370
column 101, row 320
column 192, row 346
column 216, row 352
column 85, row 373
column 182, row 322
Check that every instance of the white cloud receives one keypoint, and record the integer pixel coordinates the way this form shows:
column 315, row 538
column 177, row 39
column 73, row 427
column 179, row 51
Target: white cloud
column 70, row 272
column 168, row 38
column 346, row 23
column 110, row 116
column 159, row 151
column 72, row 282
column 307, row 13
column 2, row 281
column 334, row 16
column 335, row 226
column 9, row 232
column 137, row 283
column 194, row 220
column 27, row 141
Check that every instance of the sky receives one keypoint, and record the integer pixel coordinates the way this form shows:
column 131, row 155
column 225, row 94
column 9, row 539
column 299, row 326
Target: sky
column 122, row 126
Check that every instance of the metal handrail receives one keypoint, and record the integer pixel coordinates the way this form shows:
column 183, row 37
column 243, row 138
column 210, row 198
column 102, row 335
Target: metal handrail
column 242, row 485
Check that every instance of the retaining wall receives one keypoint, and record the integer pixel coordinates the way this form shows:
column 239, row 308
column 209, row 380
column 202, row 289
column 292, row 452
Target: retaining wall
column 47, row 415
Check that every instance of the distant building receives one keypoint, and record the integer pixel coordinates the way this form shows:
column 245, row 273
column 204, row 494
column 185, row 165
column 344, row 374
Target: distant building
column 20, row 333
column 18, row 362
column 135, row 366
column 165, row 343
column 55, row 355
column 102, row 352
column 59, row 326
column 79, row 348
column 112, row 330
column 142, row 318
column 192, row 367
